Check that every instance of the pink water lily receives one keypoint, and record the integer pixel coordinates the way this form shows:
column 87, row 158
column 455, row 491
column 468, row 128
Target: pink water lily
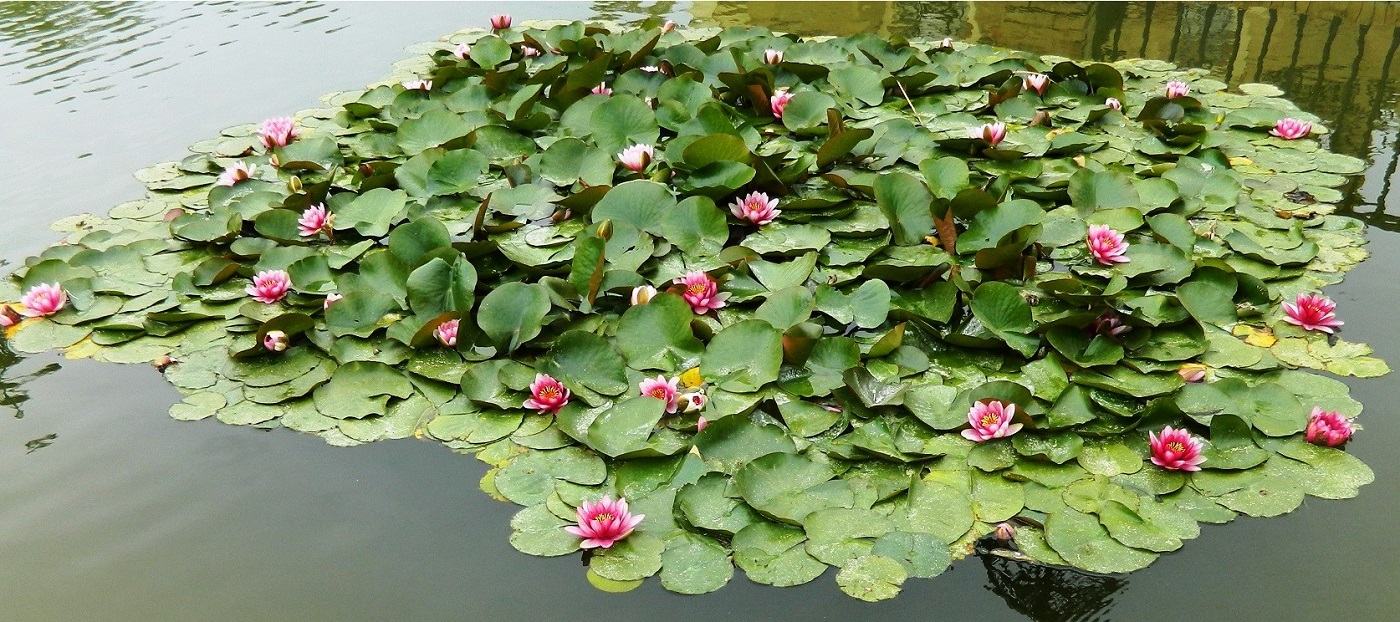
column 668, row 26
column 331, row 299
column 547, row 395
column 315, row 220
column 756, row 208
column 701, row 292
column 529, row 51
column 637, row 157
column 269, row 286
column 1005, row 532
column 1106, row 245
column 990, row 419
column 277, row 132
column 642, row 294
column 772, row 57
column 779, row 101
column 8, row 316
column 1035, row 82
column 236, row 172
column 275, row 341
column 701, row 424
column 1176, row 450
column 1108, row 323
column 1113, row 103
column 1312, row 312
column 1176, row 89
column 462, row 51
column 664, row 390
column 1328, row 428
column 43, row 300
column 446, row 333
column 602, row 89
column 993, row 133
column 603, row 523
column 1291, row 129
column 945, row 43
column 1192, row 372
column 500, row 21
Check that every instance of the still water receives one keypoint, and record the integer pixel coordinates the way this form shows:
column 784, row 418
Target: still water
column 109, row 510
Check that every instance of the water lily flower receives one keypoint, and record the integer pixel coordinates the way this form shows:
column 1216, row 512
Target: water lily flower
column 668, row 26
column 1005, row 532
column 462, row 51
column 1192, row 372
column 993, row 133
column 650, row 68
column 664, row 390
column 772, row 57
column 1108, row 323
column 8, row 316
column 1176, row 89
column 1113, row 103
column 275, row 341
column 756, row 208
column 1291, row 129
column 990, row 419
column 1106, row 245
column 330, row 300
column 547, row 395
column 315, row 220
column 693, row 401
column 1035, row 82
column 419, row 85
column 637, row 157
column 1176, row 450
column 43, row 300
column 602, row 89
column 529, row 51
column 1312, row 312
column 235, row 173
column 277, row 132
column 270, row 286
column 701, row 424
column 1328, row 428
column 603, row 523
column 642, row 294
column 779, row 101
column 701, row 291
column 446, row 333
column 947, row 43
column 500, row 22
column 163, row 362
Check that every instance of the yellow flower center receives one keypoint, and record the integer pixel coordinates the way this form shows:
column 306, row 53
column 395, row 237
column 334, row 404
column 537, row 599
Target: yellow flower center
column 990, row 419
column 602, row 518
column 658, row 393
column 696, row 289
column 1176, row 446
column 549, row 393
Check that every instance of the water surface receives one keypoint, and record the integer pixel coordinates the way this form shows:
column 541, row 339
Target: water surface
column 109, row 510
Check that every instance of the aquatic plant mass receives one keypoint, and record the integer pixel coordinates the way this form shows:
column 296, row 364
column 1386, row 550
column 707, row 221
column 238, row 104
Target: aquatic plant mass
column 707, row 299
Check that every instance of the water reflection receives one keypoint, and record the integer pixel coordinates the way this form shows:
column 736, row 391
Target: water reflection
column 1333, row 59
column 1047, row 594
column 12, row 396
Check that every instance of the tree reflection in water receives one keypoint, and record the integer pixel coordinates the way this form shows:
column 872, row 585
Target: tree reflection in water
column 1051, row 594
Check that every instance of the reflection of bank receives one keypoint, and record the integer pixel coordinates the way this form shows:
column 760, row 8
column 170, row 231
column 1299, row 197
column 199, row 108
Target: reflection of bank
column 1048, row 594
column 12, row 396
column 1333, row 59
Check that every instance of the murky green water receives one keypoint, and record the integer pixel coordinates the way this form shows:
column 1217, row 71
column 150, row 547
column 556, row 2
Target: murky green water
column 109, row 510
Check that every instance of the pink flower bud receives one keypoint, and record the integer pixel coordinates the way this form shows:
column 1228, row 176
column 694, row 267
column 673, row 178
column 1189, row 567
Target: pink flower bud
column 330, row 300
column 772, row 57
column 462, row 51
column 500, row 22
column 693, row 402
column 235, row 173
column 993, row 133
column 1113, row 103
column 277, row 132
column 642, row 294
column 1035, row 82
column 446, row 333
column 1177, row 89
column 1005, row 532
column 602, row 89
column 779, row 101
column 275, row 341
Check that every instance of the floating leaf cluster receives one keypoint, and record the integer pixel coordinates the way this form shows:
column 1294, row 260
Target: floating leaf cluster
column 493, row 196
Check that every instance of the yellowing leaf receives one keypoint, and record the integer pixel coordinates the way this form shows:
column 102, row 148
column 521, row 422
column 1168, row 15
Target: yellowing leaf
column 691, row 378
column 1255, row 336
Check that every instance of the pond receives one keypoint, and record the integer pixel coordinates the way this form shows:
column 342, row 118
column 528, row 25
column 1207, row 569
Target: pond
column 114, row 511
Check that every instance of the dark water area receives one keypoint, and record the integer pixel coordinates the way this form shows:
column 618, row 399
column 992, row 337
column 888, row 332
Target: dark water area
column 110, row 510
